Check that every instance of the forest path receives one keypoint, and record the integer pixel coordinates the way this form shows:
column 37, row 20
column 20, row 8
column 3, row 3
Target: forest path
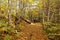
column 33, row 31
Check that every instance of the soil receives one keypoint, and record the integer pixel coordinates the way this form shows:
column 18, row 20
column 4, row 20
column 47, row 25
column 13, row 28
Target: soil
column 33, row 31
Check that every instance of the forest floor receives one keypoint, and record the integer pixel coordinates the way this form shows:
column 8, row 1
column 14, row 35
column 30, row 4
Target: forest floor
column 33, row 31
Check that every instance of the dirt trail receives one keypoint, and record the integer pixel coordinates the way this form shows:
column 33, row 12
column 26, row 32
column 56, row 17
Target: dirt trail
column 33, row 32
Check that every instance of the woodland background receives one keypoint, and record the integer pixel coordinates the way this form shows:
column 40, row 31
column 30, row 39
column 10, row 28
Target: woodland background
column 47, row 12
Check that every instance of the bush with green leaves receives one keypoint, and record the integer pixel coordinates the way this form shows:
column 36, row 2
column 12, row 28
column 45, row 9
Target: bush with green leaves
column 7, row 37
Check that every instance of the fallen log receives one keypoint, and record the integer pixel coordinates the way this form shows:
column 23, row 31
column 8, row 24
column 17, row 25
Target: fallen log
column 26, row 20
